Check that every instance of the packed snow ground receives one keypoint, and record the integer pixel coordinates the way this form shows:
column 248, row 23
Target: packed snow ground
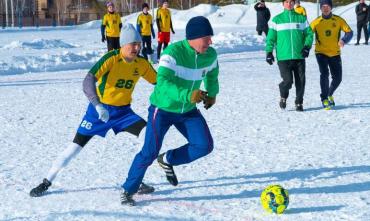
column 321, row 157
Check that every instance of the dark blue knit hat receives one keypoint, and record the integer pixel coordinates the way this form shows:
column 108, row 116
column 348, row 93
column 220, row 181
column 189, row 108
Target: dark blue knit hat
column 326, row 2
column 198, row 27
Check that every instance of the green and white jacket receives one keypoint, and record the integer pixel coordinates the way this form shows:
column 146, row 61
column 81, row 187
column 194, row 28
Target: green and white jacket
column 181, row 71
column 289, row 32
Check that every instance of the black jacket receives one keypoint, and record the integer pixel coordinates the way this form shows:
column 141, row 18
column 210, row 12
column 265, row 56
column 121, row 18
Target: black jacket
column 362, row 16
column 263, row 17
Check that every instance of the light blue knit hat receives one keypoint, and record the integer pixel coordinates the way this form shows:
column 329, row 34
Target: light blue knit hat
column 129, row 35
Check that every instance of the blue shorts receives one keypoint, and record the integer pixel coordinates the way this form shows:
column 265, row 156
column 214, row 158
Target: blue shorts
column 119, row 119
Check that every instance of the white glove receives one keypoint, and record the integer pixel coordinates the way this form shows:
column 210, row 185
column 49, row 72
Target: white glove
column 102, row 112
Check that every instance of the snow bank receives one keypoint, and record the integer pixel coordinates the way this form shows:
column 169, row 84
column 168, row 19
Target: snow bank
column 39, row 44
column 46, row 62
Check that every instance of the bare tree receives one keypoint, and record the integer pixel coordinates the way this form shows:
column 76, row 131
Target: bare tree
column 61, row 6
column 79, row 9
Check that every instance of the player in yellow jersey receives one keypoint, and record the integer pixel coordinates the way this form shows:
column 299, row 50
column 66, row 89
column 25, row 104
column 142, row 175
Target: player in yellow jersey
column 144, row 26
column 299, row 9
column 327, row 29
column 164, row 25
column 108, row 86
column 111, row 27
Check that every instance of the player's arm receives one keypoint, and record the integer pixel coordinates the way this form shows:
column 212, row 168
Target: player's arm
column 150, row 75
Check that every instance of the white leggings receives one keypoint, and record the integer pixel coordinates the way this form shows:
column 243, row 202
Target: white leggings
column 62, row 160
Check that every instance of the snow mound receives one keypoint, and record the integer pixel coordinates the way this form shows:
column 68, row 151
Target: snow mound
column 234, row 42
column 39, row 44
column 59, row 62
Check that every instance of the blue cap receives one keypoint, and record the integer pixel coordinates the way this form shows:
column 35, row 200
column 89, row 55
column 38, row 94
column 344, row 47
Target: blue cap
column 198, row 27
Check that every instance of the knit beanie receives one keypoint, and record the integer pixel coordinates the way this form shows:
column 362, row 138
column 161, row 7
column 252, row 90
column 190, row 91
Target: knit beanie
column 326, row 2
column 129, row 35
column 145, row 5
column 198, row 27
column 109, row 4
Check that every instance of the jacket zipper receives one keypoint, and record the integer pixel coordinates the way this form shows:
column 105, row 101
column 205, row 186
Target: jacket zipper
column 192, row 86
column 291, row 33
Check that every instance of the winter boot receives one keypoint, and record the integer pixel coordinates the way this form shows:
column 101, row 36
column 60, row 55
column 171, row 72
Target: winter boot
column 299, row 107
column 331, row 101
column 282, row 103
column 40, row 189
column 326, row 104
column 145, row 189
column 126, row 199
column 168, row 169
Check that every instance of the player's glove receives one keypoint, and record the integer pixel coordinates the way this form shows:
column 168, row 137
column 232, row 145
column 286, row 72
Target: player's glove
column 197, row 96
column 102, row 112
column 305, row 51
column 103, row 38
column 270, row 58
column 209, row 102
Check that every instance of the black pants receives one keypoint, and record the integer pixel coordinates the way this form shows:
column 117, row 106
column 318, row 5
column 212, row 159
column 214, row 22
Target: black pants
column 147, row 46
column 360, row 26
column 159, row 48
column 335, row 66
column 290, row 69
column 265, row 30
column 113, row 43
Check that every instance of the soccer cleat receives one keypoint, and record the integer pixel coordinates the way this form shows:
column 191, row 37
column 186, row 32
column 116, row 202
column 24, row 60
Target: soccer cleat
column 126, row 199
column 299, row 107
column 282, row 103
column 331, row 101
column 168, row 169
column 40, row 189
column 145, row 189
column 326, row 104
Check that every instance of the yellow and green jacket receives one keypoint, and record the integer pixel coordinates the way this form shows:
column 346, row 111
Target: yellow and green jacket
column 300, row 10
column 111, row 25
column 144, row 24
column 164, row 22
column 116, row 78
column 328, row 33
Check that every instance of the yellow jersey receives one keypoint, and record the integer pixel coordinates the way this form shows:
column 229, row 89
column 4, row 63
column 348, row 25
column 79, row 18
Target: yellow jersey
column 327, row 32
column 300, row 10
column 111, row 23
column 145, row 21
column 164, row 17
column 116, row 78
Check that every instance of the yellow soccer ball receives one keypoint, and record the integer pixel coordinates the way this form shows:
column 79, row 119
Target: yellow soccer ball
column 275, row 199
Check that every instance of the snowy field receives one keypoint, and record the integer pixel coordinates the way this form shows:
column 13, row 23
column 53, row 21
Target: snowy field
column 321, row 157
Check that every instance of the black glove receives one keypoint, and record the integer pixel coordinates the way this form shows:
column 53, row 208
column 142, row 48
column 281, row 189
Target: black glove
column 270, row 58
column 103, row 38
column 173, row 32
column 209, row 102
column 305, row 51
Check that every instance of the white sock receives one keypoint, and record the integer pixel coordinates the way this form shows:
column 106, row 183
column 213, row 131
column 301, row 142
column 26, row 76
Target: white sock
column 62, row 160
column 165, row 158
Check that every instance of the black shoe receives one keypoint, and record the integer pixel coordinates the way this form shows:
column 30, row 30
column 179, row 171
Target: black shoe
column 282, row 103
column 168, row 169
column 357, row 43
column 145, row 189
column 40, row 189
column 126, row 199
column 366, row 43
column 298, row 107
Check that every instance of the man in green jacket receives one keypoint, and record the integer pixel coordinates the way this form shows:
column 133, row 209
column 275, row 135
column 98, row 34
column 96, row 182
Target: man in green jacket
column 182, row 68
column 292, row 36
